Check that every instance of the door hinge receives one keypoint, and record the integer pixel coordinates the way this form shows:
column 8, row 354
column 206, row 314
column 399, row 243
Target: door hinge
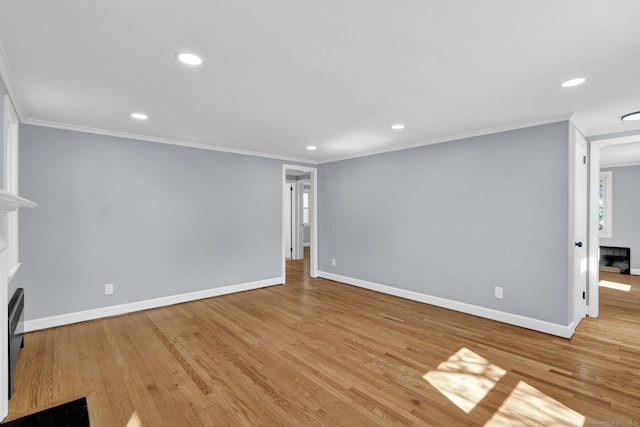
column 584, row 295
column 584, row 160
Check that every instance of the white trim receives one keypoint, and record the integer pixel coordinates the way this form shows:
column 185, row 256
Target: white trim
column 313, row 217
column 12, row 271
column 449, row 138
column 8, row 203
column 609, row 142
column 4, row 332
column 296, row 220
column 9, row 82
column 578, row 123
column 7, row 76
column 115, row 310
column 5, row 72
column 105, row 132
column 459, row 136
column 594, row 232
column 620, row 165
column 594, row 238
column 577, row 283
column 500, row 316
column 635, row 271
column 11, row 146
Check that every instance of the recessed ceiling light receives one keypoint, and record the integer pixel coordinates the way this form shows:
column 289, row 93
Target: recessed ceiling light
column 139, row 116
column 574, row 82
column 397, row 126
column 189, row 58
column 631, row 116
column 311, row 147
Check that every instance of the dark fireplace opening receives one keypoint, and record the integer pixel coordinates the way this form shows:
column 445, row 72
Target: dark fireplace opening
column 16, row 332
column 617, row 258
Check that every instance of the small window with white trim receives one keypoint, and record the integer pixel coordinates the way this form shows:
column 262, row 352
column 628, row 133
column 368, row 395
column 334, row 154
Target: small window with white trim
column 305, row 207
column 605, row 204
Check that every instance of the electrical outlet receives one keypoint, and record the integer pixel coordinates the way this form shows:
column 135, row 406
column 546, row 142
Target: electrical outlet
column 108, row 288
column 333, row 262
column 498, row 292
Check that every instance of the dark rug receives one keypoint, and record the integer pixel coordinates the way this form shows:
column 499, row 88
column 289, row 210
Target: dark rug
column 71, row 414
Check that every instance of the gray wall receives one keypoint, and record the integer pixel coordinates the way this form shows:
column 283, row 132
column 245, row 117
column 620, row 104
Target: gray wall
column 306, row 234
column 454, row 220
column 153, row 219
column 626, row 205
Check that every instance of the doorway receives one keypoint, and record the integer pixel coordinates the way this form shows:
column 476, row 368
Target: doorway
column 594, row 225
column 298, row 221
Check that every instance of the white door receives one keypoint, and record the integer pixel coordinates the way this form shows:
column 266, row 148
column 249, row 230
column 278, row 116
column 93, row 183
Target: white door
column 580, row 229
column 288, row 230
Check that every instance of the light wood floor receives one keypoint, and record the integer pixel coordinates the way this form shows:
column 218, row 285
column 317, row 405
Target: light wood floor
column 317, row 352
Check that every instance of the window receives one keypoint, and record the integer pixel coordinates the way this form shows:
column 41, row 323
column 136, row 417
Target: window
column 305, row 207
column 604, row 204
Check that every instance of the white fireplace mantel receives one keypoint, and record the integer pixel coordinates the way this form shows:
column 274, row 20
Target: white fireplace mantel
column 8, row 203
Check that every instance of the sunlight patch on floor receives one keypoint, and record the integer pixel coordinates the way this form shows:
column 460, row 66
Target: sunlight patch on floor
column 465, row 378
column 527, row 406
column 615, row 285
column 134, row 421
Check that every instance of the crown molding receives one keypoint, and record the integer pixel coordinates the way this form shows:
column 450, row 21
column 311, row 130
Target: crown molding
column 579, row 124
column 7, row 76
column 9, row 82
column 463, row 135
column 97, row 131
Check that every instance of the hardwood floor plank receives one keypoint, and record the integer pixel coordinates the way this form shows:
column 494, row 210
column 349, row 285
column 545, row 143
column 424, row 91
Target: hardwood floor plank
column 321, row 353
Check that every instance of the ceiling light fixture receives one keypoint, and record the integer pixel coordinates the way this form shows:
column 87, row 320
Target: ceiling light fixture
column 189, row 58
column 139, row 116
column 574, row 82
column 397, row 126
column 631, row 116
column 311, row 147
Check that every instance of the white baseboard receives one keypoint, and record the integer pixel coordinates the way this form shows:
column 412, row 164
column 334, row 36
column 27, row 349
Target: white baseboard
column 635, row 271
column 115, row 310
column 512, row 319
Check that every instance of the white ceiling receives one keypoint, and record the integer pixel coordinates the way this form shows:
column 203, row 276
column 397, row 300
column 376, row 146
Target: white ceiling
column 280, row 75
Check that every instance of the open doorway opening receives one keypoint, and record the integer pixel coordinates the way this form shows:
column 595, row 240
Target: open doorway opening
column 601, row 229
column 299, row 216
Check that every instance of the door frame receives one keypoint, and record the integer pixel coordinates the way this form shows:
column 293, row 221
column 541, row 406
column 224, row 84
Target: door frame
column 293, row 213
column 580, row 281
column 313, row 217
column 288, row 220
column 594, row 232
